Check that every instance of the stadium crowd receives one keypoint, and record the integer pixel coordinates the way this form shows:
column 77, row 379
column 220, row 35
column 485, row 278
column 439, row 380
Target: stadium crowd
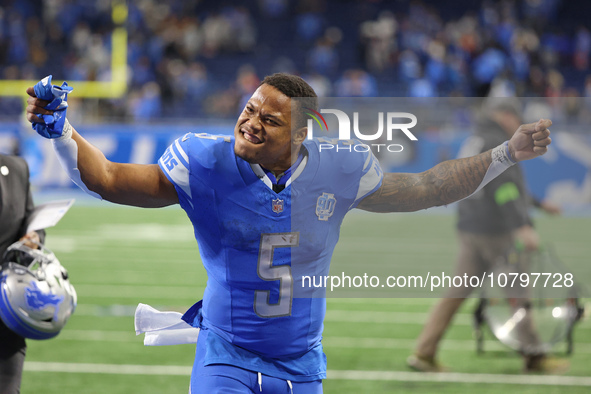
column 192, row 58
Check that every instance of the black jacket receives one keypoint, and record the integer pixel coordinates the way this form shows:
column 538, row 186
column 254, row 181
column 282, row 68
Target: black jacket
column 502, row 205
column 16, row 202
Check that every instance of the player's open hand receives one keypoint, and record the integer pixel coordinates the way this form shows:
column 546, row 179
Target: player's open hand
column 35, row 107
column 530, row 140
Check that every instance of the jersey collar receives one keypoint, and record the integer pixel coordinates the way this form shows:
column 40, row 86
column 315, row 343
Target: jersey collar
column 287, row 177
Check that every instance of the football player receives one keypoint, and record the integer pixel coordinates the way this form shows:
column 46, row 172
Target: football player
column 266, row 206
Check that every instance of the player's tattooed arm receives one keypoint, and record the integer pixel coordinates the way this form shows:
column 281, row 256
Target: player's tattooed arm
column 441, row 185
column 456, row 179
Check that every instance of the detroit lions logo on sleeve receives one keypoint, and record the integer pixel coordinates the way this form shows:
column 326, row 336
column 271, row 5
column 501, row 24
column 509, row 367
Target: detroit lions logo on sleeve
column 175, row 165
column 169, row 160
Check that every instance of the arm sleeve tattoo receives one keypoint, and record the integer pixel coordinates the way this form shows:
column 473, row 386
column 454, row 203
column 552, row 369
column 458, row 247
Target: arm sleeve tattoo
column 443, row 184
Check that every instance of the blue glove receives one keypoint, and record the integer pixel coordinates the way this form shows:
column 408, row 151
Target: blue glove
column 53, row 125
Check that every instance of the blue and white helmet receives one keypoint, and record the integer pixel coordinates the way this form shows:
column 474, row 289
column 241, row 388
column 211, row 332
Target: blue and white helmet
column 36, row 297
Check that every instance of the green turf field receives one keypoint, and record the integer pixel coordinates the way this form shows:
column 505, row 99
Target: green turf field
column 119, row 257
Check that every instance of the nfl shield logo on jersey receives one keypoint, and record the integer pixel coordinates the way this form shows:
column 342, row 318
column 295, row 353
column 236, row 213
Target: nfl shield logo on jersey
column 325, row 206
column 277, row 206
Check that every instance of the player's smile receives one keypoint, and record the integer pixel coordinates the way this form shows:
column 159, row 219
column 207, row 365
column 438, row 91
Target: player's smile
column 249, row 135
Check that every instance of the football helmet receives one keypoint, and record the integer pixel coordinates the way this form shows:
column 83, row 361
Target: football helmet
column 36, row 297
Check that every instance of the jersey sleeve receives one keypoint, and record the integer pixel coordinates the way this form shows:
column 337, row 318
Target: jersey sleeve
column 371, row 177
column 175, row 165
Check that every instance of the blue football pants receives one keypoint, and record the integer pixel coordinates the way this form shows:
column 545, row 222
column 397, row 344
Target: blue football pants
column 228, row 379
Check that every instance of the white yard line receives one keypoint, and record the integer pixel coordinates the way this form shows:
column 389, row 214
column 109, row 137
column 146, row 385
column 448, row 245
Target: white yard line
column 99, row 336
column 139, row 291
column 328, row 341
column 382, row 317
column 332, row 314
column 168, row 292
column 114, row 369
column 384, row 301
column 408, row 344
column 401, row 376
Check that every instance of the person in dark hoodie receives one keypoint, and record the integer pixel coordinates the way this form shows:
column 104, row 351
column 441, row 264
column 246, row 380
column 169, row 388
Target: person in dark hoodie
column 490, row 223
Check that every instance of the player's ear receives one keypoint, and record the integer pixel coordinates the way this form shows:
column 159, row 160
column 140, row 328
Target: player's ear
column 299, row 136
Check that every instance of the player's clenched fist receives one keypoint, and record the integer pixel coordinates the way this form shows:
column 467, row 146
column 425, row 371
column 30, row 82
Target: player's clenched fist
column 530, row 140
column 47, row 106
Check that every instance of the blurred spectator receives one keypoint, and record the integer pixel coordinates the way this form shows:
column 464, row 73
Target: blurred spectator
column 409, row 66
column 436, row 69
column 142, row 72
column 422, row 87
column 537, row 82
column 541, row 10
column 195, row 81
column 309, row 26
column 247, row 82
column 274, row 8
column 486, row 67
column 587, row 91
column 231, row 101
column 146, row 105
column 284, row 64
column 321, row 85
column 243, row 32
column 582, row 48
column 217, row 34
column 555, row 84
column 310, row 21
column 323, row 58
column 356, row 83
column 378, row 41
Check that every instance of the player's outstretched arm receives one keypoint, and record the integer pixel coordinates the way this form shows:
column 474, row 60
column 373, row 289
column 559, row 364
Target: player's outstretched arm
column 454, row 180
column 129, row 184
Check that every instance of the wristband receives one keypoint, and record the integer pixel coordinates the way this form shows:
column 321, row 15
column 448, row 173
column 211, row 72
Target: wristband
column 508, row 152
column 501, row 160
column 67, row 131
column 502, row 155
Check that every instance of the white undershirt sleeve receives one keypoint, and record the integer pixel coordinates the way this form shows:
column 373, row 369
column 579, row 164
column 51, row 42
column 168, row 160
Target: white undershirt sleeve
column 67, row 153
column 501, row 161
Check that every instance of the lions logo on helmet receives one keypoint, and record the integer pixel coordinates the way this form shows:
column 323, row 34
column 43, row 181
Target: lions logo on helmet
column 36, row 297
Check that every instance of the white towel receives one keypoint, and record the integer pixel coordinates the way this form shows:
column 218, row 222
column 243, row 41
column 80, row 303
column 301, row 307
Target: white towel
column 163, row 328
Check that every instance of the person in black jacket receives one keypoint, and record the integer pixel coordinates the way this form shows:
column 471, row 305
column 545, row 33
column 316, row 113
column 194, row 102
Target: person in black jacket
column 16, row 206
column 490, row 223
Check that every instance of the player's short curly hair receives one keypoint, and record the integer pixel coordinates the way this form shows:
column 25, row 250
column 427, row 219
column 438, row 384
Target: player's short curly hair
column 294, row 87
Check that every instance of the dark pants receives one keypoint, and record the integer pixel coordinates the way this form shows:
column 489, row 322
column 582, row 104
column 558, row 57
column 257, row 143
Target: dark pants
column 477, row 255
column 12, row 359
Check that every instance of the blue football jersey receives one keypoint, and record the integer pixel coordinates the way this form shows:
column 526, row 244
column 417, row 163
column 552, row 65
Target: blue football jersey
column 257, row 244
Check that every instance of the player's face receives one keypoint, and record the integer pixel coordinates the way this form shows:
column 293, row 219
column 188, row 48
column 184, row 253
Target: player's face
column 263, row 131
